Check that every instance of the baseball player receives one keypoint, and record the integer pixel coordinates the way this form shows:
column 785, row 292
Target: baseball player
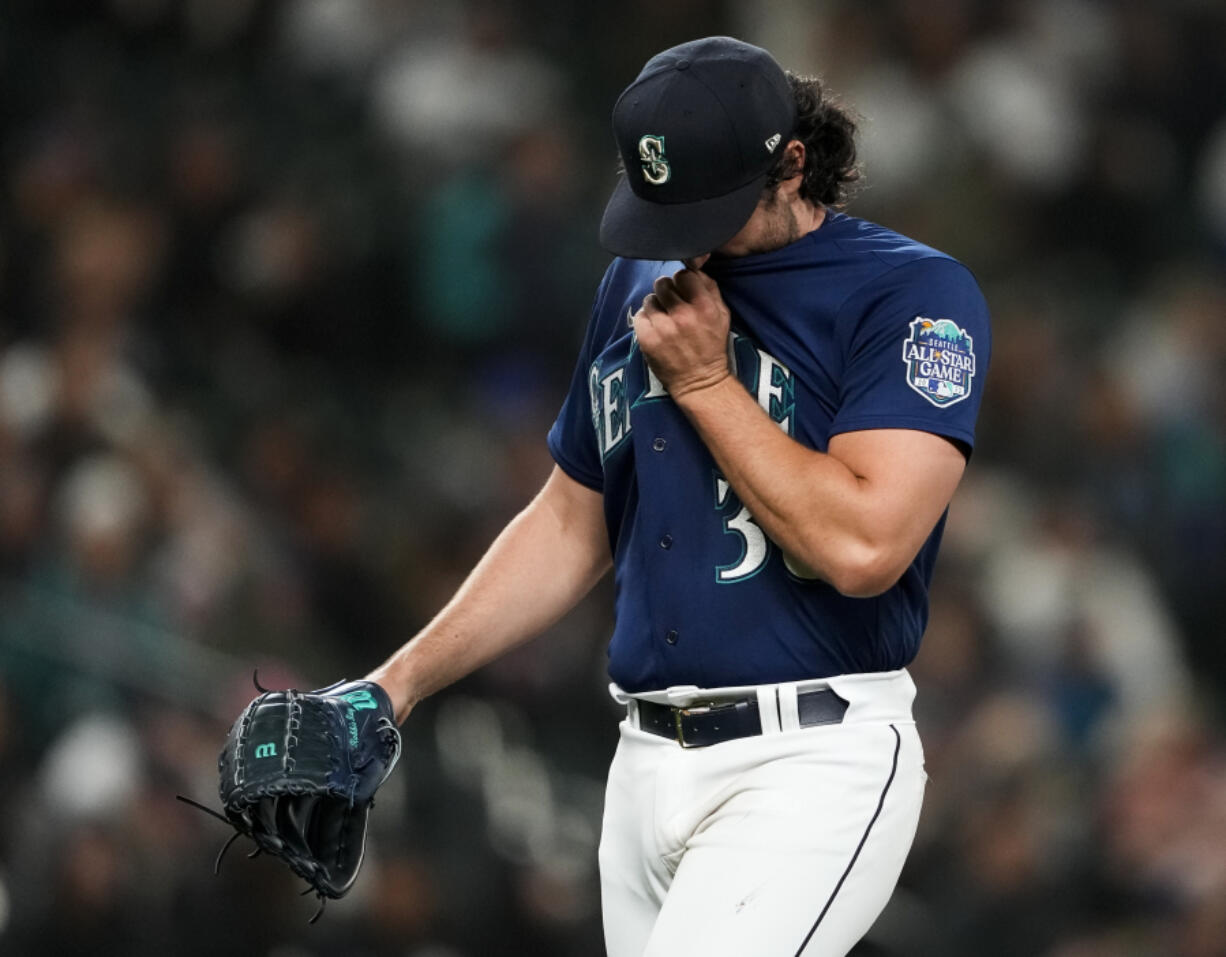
column 772, row 408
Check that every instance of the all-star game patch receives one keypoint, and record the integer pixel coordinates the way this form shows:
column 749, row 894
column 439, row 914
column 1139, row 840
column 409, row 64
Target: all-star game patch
column 940, row 360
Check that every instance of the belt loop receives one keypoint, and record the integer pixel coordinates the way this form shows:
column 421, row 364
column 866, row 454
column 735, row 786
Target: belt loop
column 789, row 710
column 632, row 713
column 768, row 710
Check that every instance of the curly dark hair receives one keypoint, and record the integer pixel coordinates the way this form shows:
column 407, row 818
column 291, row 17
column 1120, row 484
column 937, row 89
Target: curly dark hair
column 828, row 131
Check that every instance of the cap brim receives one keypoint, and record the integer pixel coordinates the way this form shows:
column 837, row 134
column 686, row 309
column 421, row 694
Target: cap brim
column 639, row 229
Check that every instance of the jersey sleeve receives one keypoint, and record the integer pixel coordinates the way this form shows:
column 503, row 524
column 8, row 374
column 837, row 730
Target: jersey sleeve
column 572, row 438
column 917, row 352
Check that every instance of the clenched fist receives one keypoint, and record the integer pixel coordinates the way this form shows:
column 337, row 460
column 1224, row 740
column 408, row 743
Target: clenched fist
column 682, row 329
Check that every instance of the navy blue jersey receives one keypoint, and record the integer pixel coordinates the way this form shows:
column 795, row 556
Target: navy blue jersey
column 850, row 327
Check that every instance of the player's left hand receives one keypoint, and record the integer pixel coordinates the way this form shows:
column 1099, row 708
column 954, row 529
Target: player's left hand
column 298, row 775
column 682, row 329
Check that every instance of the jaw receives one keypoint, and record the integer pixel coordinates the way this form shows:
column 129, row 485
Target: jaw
column 774, row 224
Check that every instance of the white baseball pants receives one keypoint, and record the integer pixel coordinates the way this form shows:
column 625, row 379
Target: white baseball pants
column 785, row 843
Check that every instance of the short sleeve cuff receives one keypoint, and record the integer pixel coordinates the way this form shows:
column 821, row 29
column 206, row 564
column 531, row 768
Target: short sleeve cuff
column 917, row 423
column 594, row 481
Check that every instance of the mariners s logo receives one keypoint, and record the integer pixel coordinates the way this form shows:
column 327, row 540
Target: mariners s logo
column 655, row 167
column 940, row 360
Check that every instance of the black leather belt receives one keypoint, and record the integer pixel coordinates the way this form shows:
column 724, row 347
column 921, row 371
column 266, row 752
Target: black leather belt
column 701, row 725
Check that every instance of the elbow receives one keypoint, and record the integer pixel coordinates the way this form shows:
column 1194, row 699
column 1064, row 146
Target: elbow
column 865, row 571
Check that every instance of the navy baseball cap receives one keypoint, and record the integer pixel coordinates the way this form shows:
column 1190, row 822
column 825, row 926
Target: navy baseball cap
column 698, row 132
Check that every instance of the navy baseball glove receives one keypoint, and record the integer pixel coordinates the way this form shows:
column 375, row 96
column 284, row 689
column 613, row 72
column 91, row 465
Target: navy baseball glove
column 299, row 771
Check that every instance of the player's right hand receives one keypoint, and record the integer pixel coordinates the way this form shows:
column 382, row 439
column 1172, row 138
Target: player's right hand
column 682, row 329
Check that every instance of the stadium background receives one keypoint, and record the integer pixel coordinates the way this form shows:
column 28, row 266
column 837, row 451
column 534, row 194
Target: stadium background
column 289, row 294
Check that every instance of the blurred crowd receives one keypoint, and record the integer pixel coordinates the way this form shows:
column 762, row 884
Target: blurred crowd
column 289, row 295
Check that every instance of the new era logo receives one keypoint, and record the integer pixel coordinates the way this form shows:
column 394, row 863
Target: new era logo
column 773, row 142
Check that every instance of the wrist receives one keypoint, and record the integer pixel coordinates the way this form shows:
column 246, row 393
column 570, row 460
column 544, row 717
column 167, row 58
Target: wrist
column 698, row 388
column 393, row 679
column 700, row 384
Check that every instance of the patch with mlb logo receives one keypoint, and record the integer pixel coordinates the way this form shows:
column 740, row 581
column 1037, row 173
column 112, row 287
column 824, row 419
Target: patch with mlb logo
column 940, row 360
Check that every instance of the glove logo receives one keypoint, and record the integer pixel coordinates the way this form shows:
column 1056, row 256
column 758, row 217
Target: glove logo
column 655, row 167
column 266, row 750
column 940, row 360
column 362, row 700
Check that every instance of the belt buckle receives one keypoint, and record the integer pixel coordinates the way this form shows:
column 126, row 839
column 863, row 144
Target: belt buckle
column 678, row 714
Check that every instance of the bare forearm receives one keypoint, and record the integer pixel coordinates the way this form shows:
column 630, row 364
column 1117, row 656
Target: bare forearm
column 810, row 504
column 855, row 515
column 544, row 561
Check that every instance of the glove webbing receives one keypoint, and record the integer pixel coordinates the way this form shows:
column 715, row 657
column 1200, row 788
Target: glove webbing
column 243, row 828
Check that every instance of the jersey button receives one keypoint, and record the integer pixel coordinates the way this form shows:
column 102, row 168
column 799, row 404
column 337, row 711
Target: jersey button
column 660, row 444
column 671, row 637
column 666, row 541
